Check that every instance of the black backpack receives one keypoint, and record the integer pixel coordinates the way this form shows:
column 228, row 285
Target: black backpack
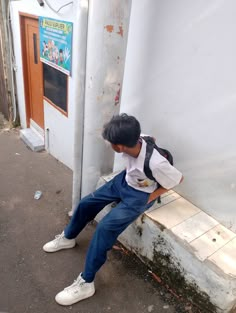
column 149, row 150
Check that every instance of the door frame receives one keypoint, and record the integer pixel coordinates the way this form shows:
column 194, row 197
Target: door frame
column 22, row 17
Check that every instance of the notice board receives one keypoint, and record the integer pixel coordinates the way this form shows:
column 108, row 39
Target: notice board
column 56, row 43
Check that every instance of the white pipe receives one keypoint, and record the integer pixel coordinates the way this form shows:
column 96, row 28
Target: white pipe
column 79, row 100
column 57, row 10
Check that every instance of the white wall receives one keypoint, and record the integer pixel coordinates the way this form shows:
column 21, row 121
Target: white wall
column 61, row 128
column 59, row 134
column 180, row 82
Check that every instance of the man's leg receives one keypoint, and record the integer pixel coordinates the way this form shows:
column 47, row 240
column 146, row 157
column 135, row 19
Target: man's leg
column 107, row 231
column 105, row 236
column 86, row 210
column 89, row 207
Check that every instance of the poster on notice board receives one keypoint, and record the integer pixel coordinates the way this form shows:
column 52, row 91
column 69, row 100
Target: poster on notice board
column 56, row 43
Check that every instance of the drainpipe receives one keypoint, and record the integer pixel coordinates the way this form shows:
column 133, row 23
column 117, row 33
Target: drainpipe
column 79, row 98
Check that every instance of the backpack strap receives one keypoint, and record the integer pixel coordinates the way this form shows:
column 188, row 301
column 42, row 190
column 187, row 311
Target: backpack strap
column 149, row 151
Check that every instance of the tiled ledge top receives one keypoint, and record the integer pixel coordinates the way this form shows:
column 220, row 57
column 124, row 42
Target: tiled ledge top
column 207, row 238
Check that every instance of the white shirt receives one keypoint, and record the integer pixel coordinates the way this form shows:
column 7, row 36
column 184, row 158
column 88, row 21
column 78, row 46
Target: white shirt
column 165, row 174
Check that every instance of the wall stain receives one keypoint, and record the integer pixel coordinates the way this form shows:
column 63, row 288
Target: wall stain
column 109, row 28
column 164, row 266
column 121, row 31
column 117, row 97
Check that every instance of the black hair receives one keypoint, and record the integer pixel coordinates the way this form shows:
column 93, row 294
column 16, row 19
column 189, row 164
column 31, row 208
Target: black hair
column 122, row 129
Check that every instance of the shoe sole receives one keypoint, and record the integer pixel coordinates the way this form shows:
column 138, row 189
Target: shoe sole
column 75, row 301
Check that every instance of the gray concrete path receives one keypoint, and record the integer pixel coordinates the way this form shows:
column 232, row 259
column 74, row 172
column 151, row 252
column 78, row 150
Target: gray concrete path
column 30, row 278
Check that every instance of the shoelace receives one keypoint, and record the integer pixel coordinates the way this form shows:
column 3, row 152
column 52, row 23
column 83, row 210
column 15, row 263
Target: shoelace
column 77, row 283
column 58, row 237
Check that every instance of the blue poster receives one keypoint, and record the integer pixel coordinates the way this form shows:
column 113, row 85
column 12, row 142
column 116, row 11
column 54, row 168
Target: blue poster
column 56, row 43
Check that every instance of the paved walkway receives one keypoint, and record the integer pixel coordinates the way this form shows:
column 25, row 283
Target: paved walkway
column 30, row 278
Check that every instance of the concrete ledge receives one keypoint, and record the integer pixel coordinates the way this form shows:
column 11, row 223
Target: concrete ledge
column 187, row 247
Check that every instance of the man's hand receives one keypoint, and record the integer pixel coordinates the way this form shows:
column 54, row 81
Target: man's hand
column 155, row 194
column 159, row 191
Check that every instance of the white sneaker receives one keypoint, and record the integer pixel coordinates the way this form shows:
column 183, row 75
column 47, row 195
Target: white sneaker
column 60, row 242
column 78, row 291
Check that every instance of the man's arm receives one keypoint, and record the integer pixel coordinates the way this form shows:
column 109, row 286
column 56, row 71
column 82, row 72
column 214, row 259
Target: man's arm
column 159, row 191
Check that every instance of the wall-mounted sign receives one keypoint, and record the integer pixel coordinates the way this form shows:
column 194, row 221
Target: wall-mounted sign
column 56, row 43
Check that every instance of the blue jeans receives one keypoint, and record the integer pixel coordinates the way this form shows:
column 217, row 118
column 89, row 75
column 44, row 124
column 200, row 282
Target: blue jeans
column 131, row 203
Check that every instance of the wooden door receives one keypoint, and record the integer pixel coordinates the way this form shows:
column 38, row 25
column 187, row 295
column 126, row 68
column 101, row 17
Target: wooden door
column 34, row 69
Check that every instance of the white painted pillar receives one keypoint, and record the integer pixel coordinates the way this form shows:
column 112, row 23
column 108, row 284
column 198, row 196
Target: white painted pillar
column 107, row 38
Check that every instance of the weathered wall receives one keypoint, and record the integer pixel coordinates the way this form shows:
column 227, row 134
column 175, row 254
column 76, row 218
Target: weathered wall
column 179, row 81
column 5, row 86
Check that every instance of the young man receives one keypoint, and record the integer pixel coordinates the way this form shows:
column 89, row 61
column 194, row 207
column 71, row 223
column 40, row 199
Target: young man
column 133, row 192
